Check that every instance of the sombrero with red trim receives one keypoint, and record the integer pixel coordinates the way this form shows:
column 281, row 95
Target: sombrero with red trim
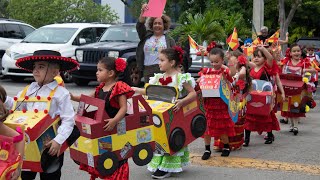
column 66, row 64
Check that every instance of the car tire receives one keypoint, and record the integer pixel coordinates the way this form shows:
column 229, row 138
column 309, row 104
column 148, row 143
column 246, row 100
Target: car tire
column 142, row 154
column 107, row 163
column 81, row 82
column 198, row 126
column 66, row 76
column 17, row 78
column 132, row 75
column 177, row 139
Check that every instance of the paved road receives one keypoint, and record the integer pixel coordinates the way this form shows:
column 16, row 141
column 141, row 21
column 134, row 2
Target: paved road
column 289, row 157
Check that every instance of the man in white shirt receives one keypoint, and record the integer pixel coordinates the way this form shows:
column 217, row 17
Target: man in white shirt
column 45, row 65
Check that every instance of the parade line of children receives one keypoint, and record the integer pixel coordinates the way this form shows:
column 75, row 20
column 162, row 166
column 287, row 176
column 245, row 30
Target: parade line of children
column 242, row 74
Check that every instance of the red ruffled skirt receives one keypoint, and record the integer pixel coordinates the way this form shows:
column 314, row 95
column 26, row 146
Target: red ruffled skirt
column 218, row 119
column 122, row 173
column 262, row 123
column 236, row 141
column 287, row 114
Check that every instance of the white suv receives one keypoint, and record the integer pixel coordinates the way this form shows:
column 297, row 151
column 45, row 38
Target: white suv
column 64, row 38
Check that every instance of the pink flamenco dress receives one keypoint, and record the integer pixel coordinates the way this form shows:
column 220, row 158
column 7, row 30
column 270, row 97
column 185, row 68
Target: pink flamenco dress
column 219, row 121
column 112, row 108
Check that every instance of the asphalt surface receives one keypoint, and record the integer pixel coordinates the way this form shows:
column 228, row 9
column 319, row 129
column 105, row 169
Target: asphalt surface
column 289, row 157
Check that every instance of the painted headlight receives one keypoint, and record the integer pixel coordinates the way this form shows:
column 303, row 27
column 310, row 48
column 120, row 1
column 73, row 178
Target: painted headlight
column 295, row 104
column 156, row 121
column 268, row 99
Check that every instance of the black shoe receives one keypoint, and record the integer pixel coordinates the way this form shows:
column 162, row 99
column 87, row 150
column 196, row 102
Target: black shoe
column 225, row 152
column 295, row 131
column 246, row 142
column 291, row 129
column 206, row 155
column 283, row 121
column 160, row 174
column 269, row 140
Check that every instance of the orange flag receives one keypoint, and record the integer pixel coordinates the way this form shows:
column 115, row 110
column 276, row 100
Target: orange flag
column 193, row 43
column 274, row 37
column 257, row 41
column 233, row 40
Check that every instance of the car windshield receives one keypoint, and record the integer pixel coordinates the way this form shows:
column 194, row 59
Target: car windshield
column 121, row 33
column 168, row 93
column 51, row 35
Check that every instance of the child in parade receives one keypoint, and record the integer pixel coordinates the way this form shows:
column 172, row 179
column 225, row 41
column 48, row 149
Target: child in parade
column 17, row 135
column 294, row 61
column 45, row 65
column 314, row 60
column 219, row 123
column 115, row 93
column 169, row 61
column 262, row 70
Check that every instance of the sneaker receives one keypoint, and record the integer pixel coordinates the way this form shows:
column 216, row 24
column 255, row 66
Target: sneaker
column 160, row 174
column 295, row 131
column 291, row 129
column 206, row 155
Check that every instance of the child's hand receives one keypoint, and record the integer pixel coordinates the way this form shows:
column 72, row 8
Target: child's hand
column 54, row 148
column 283, row 96
column 16, row 174
column 144, row 7
column 178, row 105
column 202, row 49
column 111, row 123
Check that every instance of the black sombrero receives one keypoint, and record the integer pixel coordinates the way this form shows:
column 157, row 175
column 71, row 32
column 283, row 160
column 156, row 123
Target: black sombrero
column 66, row 64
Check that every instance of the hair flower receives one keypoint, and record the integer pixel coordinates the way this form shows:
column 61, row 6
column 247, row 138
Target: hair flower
column 179, row 50
column 242, row 60
column 212, row 45
column 120, row 64
column 288, row 53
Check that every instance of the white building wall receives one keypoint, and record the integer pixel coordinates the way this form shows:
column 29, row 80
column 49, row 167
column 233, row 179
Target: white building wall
column 117, row 6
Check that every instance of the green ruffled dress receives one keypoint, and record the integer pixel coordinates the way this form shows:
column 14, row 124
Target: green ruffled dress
column 180, row 159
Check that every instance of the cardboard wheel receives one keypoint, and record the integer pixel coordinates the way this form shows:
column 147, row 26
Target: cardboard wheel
column 142, row 154
column 177, row 139
column 49, row 164
column 198, row 126
column 107, row 163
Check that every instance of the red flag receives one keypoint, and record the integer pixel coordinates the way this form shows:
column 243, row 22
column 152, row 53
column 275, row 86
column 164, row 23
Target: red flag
column 233, row 40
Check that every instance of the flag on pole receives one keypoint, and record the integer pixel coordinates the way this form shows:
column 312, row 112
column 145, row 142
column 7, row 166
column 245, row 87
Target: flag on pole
column 233, row 40
column 257, row 41
column 193, row 43
column 274, row 37
column 248, row 51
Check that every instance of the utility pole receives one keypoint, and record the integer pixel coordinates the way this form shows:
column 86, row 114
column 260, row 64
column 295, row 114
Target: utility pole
column 258, row 16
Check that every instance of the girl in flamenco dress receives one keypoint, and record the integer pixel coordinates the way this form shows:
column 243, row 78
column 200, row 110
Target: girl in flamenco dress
column 293, row 60
column 162, row 165
column 115, row 93
column 262, row 63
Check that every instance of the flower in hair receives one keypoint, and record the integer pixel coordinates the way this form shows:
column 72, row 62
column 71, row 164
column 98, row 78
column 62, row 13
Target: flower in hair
column 120, row 64
column 212, row 45
column 242, row 60
column 179, row 50
column 288, row 53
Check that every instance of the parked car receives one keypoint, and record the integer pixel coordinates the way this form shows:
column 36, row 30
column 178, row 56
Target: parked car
column 64, row 38
column 11, row 32
column 314, row 41
column 118, row 41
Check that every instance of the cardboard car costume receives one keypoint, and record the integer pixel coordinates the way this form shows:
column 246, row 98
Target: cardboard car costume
column 149, row 125
column 40, row 128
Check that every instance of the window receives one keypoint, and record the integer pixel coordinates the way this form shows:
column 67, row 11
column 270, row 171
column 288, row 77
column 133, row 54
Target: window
column 1, row 31
column 26, row 29
column 87, row 34
column 13, row 31
column 99, row 32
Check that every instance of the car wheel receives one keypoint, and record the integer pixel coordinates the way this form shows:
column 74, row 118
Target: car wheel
column 177, row 139
column 198, row 126
column 81, row 82
column 142, row 154
column 17, row 78
column 107, row 163
column 66, row 76
column 133, row 75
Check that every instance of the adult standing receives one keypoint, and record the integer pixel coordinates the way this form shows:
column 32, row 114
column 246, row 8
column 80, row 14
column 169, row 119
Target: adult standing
column 264, row 34
column 153, row 39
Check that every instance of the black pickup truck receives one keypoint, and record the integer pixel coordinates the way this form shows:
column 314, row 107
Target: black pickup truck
column 117, row 41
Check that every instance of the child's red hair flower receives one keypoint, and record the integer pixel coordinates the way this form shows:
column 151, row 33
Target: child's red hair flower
column 179, row 50
column 120, row 64
column 212, row 45
column 288, row 53
column 242, row 60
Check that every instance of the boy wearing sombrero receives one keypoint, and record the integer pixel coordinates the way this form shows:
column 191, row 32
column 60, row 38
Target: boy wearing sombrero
column 45, row 65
